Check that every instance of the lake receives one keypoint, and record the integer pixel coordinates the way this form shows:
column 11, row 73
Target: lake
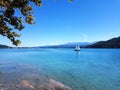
column 89, row 69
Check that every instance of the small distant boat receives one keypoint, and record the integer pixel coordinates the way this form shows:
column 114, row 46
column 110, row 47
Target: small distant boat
column 77, row 48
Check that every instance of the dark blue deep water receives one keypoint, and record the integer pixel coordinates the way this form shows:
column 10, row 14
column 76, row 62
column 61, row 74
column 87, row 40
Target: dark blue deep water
column 89, row 69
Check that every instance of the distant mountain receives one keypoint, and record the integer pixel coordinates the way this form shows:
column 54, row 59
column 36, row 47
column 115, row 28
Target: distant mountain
column 68, row 45
column 112, row 43
column 4, row 46
column 78, row 43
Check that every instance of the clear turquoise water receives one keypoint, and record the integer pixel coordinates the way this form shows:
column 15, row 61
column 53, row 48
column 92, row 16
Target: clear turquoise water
column 89, row 69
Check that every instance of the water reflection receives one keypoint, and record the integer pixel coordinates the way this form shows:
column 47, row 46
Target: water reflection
column 77, row 54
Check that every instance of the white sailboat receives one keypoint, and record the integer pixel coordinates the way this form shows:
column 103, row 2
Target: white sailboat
column 77, row 48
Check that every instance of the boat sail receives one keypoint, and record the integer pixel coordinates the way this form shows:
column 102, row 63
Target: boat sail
column 77, row 48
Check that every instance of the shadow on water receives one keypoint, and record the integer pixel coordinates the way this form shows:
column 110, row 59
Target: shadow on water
column 0, row 76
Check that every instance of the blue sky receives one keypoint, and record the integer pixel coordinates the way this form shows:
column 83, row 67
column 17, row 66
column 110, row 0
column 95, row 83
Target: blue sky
column 59, row 21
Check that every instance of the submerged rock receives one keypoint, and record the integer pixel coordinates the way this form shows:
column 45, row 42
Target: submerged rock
column 58, row 85
column 28, row 79
column 27, row 84
column 49, row 84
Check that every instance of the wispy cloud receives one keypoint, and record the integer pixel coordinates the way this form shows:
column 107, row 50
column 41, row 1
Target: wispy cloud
column 111, row 35
column 85, row 37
